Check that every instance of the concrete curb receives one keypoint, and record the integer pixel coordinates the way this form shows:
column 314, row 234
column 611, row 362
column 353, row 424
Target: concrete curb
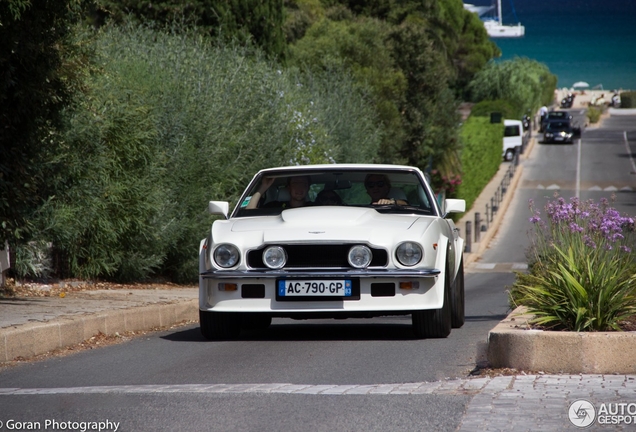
column 28, row 340
column 512, row 344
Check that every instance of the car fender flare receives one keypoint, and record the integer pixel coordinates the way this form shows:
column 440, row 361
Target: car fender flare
column 440, row 263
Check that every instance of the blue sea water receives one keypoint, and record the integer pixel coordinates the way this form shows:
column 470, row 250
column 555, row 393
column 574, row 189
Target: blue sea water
column 579, row 40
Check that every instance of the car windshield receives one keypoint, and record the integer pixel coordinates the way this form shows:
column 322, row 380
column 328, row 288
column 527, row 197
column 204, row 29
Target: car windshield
column 557, row 126
column 388, row 191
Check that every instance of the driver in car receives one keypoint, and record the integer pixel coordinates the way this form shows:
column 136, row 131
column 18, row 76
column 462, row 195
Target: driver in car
column 378, row 187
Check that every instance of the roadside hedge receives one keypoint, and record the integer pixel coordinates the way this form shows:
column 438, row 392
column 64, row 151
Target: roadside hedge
column 628, row 99
column 482, row 144
column 486, row 107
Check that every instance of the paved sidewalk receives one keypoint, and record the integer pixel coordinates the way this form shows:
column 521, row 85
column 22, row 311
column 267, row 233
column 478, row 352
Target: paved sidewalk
column 30, row 326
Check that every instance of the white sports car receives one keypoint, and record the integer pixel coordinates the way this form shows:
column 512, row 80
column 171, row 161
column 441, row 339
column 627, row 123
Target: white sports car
column 333, row 241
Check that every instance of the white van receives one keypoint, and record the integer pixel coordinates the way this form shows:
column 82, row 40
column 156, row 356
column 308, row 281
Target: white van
column 513, row 137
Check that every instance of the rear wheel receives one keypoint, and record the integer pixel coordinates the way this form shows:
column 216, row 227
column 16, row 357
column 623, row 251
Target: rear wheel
column 219, row 325
column 434, row 323
column 458, row 303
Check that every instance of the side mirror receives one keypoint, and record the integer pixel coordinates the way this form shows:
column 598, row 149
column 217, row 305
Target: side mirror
column 219, row 208
column 455, row 206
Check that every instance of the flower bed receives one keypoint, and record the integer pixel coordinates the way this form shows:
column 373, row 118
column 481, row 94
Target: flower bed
column 582, row 269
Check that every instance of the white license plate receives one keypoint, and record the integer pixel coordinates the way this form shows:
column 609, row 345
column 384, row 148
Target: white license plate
column 318, row 288
column 558, row 138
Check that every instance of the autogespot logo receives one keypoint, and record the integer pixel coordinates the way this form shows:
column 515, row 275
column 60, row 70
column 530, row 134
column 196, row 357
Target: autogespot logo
column 582, row 413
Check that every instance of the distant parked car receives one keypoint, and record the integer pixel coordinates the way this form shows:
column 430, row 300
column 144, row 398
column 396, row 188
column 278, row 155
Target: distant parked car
column 351, row 254
column 513, row 138
column 558, row 132
column 554, row 115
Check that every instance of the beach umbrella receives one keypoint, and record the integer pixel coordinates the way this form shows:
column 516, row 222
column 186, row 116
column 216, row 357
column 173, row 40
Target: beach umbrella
column 580, row 84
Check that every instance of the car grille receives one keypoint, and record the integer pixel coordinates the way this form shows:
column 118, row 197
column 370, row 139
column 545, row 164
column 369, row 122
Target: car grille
column 317, row 256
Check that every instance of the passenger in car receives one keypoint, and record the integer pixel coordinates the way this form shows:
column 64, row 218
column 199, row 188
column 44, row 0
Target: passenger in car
column 298, row 187
column 378, row 187
column 328, row 197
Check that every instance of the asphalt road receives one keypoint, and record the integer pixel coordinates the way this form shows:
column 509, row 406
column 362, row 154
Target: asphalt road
column 599, row 165
column 159, row 382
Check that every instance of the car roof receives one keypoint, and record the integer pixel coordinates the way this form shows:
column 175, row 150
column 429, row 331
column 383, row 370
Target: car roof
column 509, row 122
column 337, row 167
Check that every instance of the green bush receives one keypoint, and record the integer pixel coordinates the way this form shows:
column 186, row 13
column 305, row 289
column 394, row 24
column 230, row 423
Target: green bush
column 170, row 123
column 582, row 268
column 482, row 144
column 594, row 114
column 525, row 84
column 486, row 107
column 628, row 99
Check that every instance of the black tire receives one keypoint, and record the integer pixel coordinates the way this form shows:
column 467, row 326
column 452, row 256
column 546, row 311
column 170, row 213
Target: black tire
column 255, row 321
column 458, row 313
column 219, row 325
column 510, row 155
column 434, row 323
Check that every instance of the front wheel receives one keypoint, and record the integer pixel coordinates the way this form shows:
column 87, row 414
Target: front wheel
column 434, row 323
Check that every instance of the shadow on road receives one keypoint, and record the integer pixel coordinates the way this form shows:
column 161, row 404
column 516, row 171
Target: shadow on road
column 287, row 330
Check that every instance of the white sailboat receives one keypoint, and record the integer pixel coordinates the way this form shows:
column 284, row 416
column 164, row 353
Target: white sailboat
column 494, row 25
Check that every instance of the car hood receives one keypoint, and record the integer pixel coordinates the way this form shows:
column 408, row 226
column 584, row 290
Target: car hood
column 324, row 224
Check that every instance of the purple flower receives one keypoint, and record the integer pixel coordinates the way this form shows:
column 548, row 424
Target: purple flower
column 575, row 228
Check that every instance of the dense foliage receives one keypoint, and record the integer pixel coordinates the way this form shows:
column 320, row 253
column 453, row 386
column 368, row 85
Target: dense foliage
column 170, row 123
column 628, row 99
column 117, row 136
column 525, row 84
column 258, row 21
column 582, row 268
column 39, row 73
column 416, row 57
column 486, row 107
column 480, row 156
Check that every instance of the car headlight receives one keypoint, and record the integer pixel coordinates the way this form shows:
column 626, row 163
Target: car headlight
column 409, row 253
column 275, row 257
column 226, row 255
column 360, row 256
column 548, row 135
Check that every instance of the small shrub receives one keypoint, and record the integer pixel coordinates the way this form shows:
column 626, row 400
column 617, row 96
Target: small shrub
column 33, row 260
column 628, row 100
column 583, row 272
column 594, row 114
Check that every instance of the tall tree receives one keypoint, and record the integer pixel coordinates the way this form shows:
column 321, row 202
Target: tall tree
column 258, row 20
column 36, row 83
column 526, row 84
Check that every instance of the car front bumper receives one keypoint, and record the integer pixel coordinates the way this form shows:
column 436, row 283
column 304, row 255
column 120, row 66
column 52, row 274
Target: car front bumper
column 379, row 291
